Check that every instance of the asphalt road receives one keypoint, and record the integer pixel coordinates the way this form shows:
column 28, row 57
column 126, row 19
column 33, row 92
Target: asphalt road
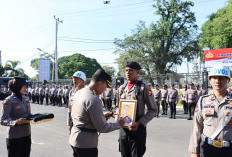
column 165, row 137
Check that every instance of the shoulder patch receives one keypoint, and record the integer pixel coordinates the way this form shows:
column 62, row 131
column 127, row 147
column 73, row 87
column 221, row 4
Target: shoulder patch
column 149, row 91
column 196, row 109
column 5, row 105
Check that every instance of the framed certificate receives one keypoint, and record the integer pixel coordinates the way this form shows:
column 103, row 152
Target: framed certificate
column 127, row 108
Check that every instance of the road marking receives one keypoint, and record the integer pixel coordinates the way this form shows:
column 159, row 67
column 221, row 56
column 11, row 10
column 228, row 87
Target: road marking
column 38, row 143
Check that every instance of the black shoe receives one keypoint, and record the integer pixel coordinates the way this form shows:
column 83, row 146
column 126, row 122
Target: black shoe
column 166, row 114
column 163, row 113
column 170, row 117
column 190, row 118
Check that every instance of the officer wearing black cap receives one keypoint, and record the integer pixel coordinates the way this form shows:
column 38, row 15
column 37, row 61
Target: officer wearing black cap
column 14, row 110
column 132, row 140
column 87, row 116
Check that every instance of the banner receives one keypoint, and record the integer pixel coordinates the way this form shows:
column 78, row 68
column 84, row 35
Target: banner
column 44, row 69
column 218, row 56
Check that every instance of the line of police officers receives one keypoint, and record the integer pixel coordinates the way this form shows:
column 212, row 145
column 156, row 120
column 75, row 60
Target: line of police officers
column 56, row 94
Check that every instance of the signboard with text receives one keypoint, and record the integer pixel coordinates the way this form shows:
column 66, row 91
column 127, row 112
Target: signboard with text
column 44, row 69
column 218, row 56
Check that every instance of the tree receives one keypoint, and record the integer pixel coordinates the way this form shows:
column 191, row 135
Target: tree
column 217, row 31
column 68, row 65
column 109, row 69
column 2, row 71
column 165, row 43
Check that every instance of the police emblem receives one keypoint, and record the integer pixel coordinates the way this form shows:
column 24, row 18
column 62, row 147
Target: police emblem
column 207, row 112
column 230, row 122
column 230, row 102
column 228, row 114
column 196, row 109
column 5, row 105
column 18, row 107
column 149, row 91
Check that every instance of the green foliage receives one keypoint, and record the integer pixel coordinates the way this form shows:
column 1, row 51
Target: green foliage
column 109, row 69
column 217, row 31
column 2, row 71
column 165, row 43
column 68, row 65
column 10, row 69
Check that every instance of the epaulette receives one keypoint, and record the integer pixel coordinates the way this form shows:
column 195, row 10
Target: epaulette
column 199, row 104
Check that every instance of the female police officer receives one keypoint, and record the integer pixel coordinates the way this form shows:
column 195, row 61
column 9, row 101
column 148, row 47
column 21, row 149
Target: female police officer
column 212, row 120
column 14, row 110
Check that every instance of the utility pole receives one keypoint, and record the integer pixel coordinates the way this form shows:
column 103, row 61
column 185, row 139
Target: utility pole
column 56, row 62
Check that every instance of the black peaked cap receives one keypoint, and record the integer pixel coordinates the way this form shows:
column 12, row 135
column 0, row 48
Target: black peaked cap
column 133, row 65
column 102, row 75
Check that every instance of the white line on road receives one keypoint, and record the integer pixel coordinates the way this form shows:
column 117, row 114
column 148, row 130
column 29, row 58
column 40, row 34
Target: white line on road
column 39, row 143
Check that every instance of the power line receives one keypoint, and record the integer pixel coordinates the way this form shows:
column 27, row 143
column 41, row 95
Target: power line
column 92, row 10
column 63, row 37
column 81, row 41
column 64, row 51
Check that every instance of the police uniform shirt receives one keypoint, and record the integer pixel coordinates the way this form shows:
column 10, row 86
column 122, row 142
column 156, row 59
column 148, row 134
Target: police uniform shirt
column 207, row 119
column 172, row 95
column 157, row 94
column 203, row 92
column 145, row 98
column 87, row 112
column 41, row 91
column 33, row 91
column 70, row 103
column 36, row 90
column 191, row 95
column 60, row 92
column 13, row 109
column 108, row 94
column 164, row 93
column 184, row 95
column 47, row 90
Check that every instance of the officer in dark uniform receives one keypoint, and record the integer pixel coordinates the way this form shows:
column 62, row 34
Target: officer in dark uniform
column 14, row 110
column 132, row 140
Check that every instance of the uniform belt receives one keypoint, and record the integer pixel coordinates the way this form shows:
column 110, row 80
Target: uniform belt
column 216, row 143
column 86, row 129
column 173, row 98
column 191, row 99
column 156, row 97
column 164, row 97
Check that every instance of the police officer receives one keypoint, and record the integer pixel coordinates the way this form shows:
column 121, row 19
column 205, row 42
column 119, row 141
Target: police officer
column 60, row 95
column 52, row 97
column 183, row 100
column 14, row 110
column 47, row 91
column 203, row 91
column 37, row 93
column 164, row 93
column 108, row 98
column 88, row 118
column 33, row 95
column 212, row 125
column 78, row 79
column 132, row 140
column 172, row 99
column 157, row 96
column 191, row 99
column 41, row 94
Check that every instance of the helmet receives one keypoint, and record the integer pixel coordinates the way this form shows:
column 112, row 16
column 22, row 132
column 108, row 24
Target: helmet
column 220, row 70
column 80, row 74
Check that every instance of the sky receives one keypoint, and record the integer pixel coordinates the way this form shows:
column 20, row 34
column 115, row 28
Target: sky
column 88, row 27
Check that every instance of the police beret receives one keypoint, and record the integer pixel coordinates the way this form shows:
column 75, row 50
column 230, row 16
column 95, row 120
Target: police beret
column 133, row 65
column 17, row 83
column 100, row 74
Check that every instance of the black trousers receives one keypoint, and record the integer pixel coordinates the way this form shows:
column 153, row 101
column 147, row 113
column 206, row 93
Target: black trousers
column 185, row 106
column 211, row 151
column 41, row 98
column 158, row 105
column 108, row 103
column 132, row 143
column 173, row 108
column 164, row 106
column 192, row 107
column 19, row 147
column 37, row 98
column 29, row 95
column 84, row 152
column 46, row 97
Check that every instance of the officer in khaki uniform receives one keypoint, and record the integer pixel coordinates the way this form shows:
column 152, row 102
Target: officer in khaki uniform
column 183, row 100
column 164, row 93
column 191, row 98
column 108, row 98
column 88, row 118
column 78, row 79
column 15, row 109
column 132, row 140
column 157, row 96
column 172, row 99
column 212, row 124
